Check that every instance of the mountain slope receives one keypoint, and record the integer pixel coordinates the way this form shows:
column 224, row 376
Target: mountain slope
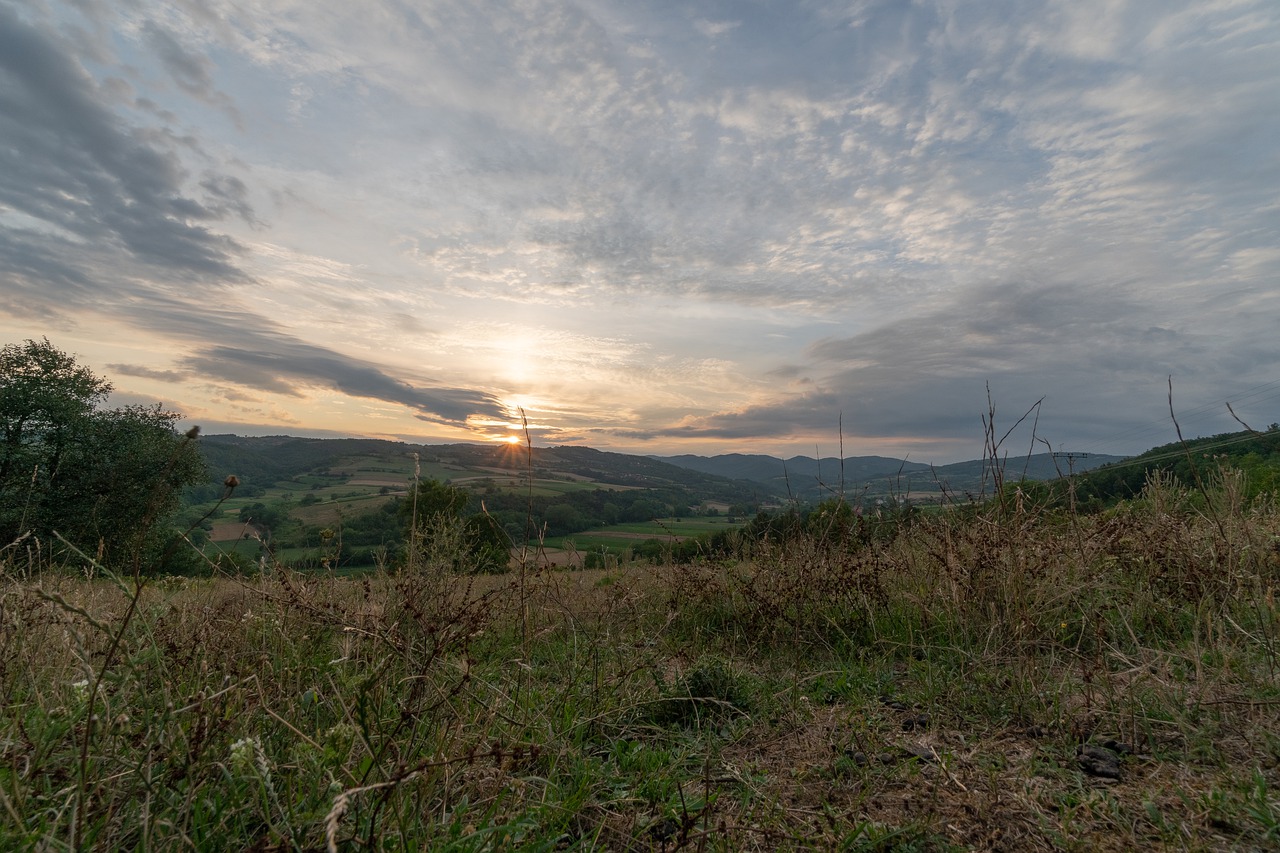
column 806, row 478
column 261, row 462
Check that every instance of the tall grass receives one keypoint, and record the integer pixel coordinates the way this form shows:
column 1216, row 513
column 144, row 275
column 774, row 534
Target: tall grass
column 947, row 683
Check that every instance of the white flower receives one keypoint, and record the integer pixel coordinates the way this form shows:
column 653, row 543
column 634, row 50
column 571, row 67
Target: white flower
column 247, row 754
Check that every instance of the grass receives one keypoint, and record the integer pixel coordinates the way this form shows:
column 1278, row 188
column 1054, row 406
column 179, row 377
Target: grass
column 667, row 527
column 928, row 690
column 618, row 539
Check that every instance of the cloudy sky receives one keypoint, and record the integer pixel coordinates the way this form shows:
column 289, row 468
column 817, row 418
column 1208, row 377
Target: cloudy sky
column 653, row 226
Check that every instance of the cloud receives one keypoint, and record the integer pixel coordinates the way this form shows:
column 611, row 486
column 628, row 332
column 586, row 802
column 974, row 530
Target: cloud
column 83, row 180
column 1091, row 352
column 715, row 29
column 149, row 373
column 759, row 216
column 289, row 367
column 192, row 72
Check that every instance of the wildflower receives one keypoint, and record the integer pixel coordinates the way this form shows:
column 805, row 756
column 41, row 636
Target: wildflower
column 338, row 741
column 247, row 754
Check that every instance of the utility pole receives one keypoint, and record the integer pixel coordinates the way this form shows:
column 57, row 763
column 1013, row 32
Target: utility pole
column 1071, row 458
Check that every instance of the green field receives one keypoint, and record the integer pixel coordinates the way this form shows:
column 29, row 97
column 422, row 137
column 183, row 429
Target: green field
column 540, row 487
column 617, row 539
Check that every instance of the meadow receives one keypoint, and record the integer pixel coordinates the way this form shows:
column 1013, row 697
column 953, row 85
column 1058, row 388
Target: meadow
column 1005, row 675
column 631, row 540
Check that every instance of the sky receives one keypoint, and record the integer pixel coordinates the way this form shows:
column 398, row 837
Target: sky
column 784, row 226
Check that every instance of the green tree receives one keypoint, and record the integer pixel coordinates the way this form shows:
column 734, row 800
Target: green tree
column 46, row 399
column 563, row 519
column 261, row 515
column 444, row 530
column 105, row 480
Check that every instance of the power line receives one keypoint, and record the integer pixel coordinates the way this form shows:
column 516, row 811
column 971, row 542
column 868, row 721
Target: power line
column 1250, row 395
column 1173, row 454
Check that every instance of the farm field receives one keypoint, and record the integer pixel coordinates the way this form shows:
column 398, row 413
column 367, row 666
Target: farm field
column 619, row 541
column 290, row 505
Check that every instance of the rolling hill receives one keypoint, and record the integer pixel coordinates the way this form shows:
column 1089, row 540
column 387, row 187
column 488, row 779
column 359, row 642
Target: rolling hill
column 806, row 478
column 733, row 478
column 262, row 462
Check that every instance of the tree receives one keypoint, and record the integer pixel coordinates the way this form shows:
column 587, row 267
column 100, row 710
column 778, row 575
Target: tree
column 563, row 519
column 442, row 529
column 104, row 480
column 45, row 399
column 262, row 516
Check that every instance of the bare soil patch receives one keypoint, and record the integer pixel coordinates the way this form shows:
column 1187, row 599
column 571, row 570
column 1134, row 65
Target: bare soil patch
column 231, row 532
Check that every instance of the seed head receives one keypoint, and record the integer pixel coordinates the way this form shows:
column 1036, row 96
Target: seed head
column 231, row 482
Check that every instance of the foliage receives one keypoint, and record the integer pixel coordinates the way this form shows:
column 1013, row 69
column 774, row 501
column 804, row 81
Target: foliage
column 443, row 531
column 102, row 479
column 262, row 516
column 1255, row 453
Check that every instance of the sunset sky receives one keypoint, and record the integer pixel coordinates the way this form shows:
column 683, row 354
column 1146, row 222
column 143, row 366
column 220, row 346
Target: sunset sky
column 655, row 227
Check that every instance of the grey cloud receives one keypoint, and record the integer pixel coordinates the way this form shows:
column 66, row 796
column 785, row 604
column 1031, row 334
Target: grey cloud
column 256, row 353
column 149, row 373
column 1006, row 327
column 252, row 370
column 285, row 366
column 227, row 194
column 248, row 350
column 192, row 72
column 1098, row 359
column 74, row 166
column 37, row 271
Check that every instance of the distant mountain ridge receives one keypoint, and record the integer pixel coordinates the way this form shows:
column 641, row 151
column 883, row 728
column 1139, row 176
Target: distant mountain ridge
column 806, row 478
column 798, row 470
column 729, row 478
column 261, row 461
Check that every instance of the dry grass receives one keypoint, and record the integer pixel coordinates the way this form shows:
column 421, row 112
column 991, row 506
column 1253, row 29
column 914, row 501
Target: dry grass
column 926, row 690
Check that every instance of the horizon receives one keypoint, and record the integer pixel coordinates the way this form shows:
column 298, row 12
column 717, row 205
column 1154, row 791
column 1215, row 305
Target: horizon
column 654, row 228
column 326, row 435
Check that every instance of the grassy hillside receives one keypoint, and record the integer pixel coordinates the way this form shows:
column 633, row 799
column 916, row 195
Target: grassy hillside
column 799, row 473
column 1003, row 677
column 263, row 462
column 1255, row 454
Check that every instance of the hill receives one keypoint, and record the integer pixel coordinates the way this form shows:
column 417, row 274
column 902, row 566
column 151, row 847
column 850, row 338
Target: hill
column 298, row 494
column 806, row 478
column 731, row 479
column 799, row 473
column 263, row 462
column 1255, row 454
